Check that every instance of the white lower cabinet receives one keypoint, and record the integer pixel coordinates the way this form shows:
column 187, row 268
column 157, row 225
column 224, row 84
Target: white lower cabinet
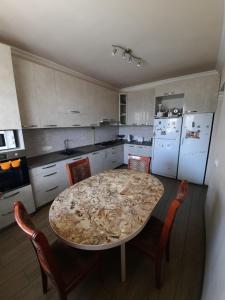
column 48, row 181
column 24, row 195
column 114, row 157
column 139, row 150
column 96, row 160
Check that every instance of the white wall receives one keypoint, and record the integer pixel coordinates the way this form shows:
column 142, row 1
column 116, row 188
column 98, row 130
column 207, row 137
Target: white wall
column 42, row 141
column 214, row 277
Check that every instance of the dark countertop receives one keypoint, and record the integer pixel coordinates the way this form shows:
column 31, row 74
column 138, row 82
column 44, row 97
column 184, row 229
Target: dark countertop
column 45, row 159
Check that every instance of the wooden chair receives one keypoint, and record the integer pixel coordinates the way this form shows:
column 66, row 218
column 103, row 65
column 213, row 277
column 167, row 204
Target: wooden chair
column 139, row 163
column 182, row 191
column 153, row 239
column 63, row 265
column 78, row 170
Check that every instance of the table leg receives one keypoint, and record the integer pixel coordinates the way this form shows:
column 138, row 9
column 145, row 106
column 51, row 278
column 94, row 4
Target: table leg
column 123, row 262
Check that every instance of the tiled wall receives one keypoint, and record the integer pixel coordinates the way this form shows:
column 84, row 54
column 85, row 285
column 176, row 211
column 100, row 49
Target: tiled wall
column 139, row 131
column 41, row 141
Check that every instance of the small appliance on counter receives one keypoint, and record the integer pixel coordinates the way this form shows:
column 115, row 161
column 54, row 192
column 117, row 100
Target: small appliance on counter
column 130, row 137
column 120, row 136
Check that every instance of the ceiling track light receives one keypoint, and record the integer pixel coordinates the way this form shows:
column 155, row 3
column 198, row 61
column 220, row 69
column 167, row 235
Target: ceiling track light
column 126, row 52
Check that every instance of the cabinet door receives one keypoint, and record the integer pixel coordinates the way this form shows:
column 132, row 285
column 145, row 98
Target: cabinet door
column 141, row 107
column 46, row 96
column 107, row 104
column 25, row 86
column 10, row 118
column 144, row 151
column 72, row 103
column 169, row 89
column 97, row 162
column 6, row 204
column 201, row 94
column 129, row 149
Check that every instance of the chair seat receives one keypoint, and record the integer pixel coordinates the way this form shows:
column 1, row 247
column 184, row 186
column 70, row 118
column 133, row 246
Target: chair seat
column 73, row 263
column 148, row 239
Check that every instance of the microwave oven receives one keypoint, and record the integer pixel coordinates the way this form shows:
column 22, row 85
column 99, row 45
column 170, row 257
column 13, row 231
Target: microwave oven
column 7, row 140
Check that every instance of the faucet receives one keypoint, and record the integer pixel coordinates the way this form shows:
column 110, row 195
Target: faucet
column 66, row 144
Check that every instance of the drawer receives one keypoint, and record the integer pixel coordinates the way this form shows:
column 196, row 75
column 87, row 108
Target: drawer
column 46, row 169
column 49, row 194
column 24, row 195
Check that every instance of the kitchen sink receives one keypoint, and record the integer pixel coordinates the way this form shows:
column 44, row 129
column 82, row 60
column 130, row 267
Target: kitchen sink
column 71, row 152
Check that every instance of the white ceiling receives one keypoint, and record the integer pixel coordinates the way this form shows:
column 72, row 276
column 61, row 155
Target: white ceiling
column 174, row 37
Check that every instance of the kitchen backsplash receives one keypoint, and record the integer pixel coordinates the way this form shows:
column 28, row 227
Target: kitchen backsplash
column 139, row 131
column 42, row 141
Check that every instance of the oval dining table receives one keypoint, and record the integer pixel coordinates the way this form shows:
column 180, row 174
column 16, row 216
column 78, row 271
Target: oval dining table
column 106, row 210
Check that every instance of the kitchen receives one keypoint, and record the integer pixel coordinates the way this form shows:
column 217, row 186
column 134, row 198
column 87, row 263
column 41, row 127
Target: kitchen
column 53, row 116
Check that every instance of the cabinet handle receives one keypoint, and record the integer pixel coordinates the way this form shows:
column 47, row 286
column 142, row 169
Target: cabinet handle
column 10, row 196
column 76, row 125
column 77, row 158
column 50, row 174
column 75, row 111
column 8, row 213
column 49, row 167
column 94, row 153
column 30, row 126
column 131, row 146
column 51, row 125
column 55, row 187
column 114, row 161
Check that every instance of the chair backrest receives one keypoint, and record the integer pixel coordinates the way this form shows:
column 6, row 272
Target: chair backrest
column 168, row 224
column 40, row 243
column 139, row 163
column 78, row 170
column 182, row 191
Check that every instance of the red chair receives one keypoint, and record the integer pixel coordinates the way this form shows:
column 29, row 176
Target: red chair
column 182, row 191
column 63, row 265
column 139, row 163
column 78, row 170
column 154, row 238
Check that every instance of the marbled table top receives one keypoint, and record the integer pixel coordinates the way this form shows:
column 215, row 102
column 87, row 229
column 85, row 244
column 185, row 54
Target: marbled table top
column 105, row 210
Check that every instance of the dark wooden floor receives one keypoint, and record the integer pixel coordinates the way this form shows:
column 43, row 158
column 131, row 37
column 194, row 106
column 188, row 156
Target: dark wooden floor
column 20, row 277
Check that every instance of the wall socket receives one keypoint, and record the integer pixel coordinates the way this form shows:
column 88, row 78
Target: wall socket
column 47, row 148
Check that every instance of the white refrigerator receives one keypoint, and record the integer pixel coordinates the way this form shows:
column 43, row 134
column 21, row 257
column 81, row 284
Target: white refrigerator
column 194, row 148
column 166, row 144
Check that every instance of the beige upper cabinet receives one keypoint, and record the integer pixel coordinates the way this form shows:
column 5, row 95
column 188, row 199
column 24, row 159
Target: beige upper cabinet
column 141, row 107
column 9, row 116
column 44, row 80
column 200, row 93
column 25, row 85
column 71, row 100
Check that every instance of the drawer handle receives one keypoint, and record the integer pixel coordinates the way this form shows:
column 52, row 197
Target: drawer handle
column 51, row 125
column 8, row 213
column 49, row 167
column 30, row 126
column 55, row 187
column 10, row 196
column 50, row 174
column 75, row 111
column 76, row 125
column 94, row 153
column 77, row 158
column 114, row 161
column 131, row 146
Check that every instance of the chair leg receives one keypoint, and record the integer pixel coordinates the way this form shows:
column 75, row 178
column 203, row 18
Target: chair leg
column 44, row 281
column 168, row 250
column 62, row 296
column 158, row 265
